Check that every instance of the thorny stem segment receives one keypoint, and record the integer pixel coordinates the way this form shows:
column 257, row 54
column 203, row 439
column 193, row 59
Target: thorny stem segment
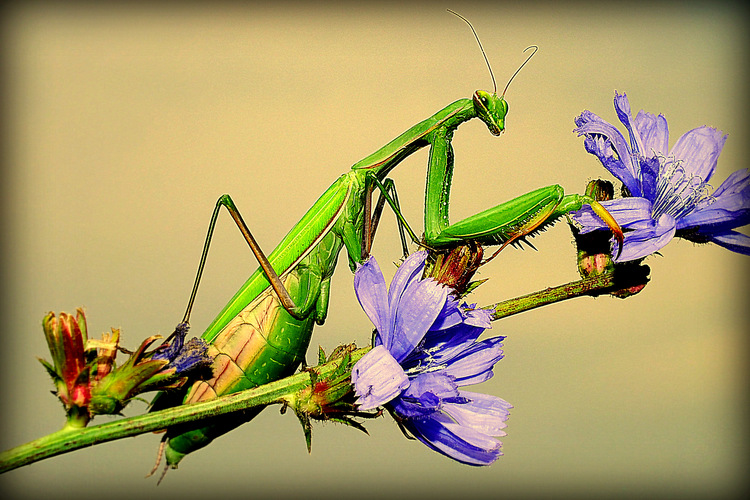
column 281, row 391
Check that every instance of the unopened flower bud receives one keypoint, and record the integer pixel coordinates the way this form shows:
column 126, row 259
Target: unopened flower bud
column 66, row 338
column 594, row 259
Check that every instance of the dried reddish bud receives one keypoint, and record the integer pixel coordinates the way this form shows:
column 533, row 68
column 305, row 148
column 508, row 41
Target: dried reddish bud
column 454, row 268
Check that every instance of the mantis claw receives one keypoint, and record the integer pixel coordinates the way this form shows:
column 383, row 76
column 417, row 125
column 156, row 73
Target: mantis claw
column 605, row 216
column 619, row 237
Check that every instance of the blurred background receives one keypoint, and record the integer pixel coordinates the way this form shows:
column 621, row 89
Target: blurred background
column 122, row 125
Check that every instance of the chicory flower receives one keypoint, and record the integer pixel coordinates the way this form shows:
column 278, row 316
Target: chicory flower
column 668, row 193
column 425, row 350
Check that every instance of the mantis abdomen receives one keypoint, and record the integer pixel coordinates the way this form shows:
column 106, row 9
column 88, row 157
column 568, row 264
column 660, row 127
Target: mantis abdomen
column 261, row 344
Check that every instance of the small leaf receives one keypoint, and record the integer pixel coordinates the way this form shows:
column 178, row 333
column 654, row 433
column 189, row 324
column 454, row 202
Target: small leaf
column 321, row 355
column 473, row 286
column 50, row 370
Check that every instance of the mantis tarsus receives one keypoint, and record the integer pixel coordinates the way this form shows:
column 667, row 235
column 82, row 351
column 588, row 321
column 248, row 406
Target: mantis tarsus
column 262, row 334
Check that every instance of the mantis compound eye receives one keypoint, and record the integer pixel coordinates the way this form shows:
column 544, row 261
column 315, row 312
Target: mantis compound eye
column 480, row 100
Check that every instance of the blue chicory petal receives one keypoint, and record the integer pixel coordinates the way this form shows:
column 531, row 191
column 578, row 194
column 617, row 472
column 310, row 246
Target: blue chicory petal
column 441, row 347
column 410, row 270
column 654, row 133
column 420, row 305
column 377, row 378
column 455, row 312
column 733, row 240
column 412, row 408
column 610, row 144
column 460, row 443
column 482, row 412
column 728, row 208
column 450, row 316
column 437, row 384
column 372, row 293
column 647, row 240
column 622, row 107
column 474, row 365
column 650, row 168
column 481, row 318
column 426, row 394
column 699, row 151
column 734, row 184
column 717, row 217
column 407, row 272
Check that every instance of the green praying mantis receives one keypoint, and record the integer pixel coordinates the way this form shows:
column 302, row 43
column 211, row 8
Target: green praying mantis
column 263, row 332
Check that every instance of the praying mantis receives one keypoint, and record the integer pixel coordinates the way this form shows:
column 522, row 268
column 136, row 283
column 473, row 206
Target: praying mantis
column 263, row 332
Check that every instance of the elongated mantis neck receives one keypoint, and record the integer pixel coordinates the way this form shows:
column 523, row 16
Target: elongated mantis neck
column 385, row 159
column 457, row 113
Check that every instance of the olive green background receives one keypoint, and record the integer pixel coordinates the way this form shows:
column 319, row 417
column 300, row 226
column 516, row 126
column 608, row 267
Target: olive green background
column 123, row 125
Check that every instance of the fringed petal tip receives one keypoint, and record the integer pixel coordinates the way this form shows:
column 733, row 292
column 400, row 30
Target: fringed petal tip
column 377, row 378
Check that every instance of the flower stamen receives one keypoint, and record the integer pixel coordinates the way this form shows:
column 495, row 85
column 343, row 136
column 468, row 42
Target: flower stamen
column 677, row 193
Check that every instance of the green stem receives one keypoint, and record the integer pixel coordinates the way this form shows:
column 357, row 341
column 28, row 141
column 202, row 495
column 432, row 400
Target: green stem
column 592, row 286
column 71, row 439
column 68, row 439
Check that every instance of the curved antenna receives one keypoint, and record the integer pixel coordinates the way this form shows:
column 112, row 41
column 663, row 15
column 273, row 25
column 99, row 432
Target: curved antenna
column 521, row 66
column 494, row 84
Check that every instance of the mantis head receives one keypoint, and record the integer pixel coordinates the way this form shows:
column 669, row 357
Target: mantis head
column 492, row 109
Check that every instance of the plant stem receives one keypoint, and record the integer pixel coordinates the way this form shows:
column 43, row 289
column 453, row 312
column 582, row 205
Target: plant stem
column 592, row 286
column 68, row 439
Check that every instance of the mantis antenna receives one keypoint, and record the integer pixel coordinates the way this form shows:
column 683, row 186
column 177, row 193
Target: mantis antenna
column 494, row 84
column 521, row 66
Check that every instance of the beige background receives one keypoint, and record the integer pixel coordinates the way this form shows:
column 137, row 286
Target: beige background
column 123, row 126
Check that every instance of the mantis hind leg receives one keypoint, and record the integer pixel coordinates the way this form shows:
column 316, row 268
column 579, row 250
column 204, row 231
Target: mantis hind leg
column 278, row 287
